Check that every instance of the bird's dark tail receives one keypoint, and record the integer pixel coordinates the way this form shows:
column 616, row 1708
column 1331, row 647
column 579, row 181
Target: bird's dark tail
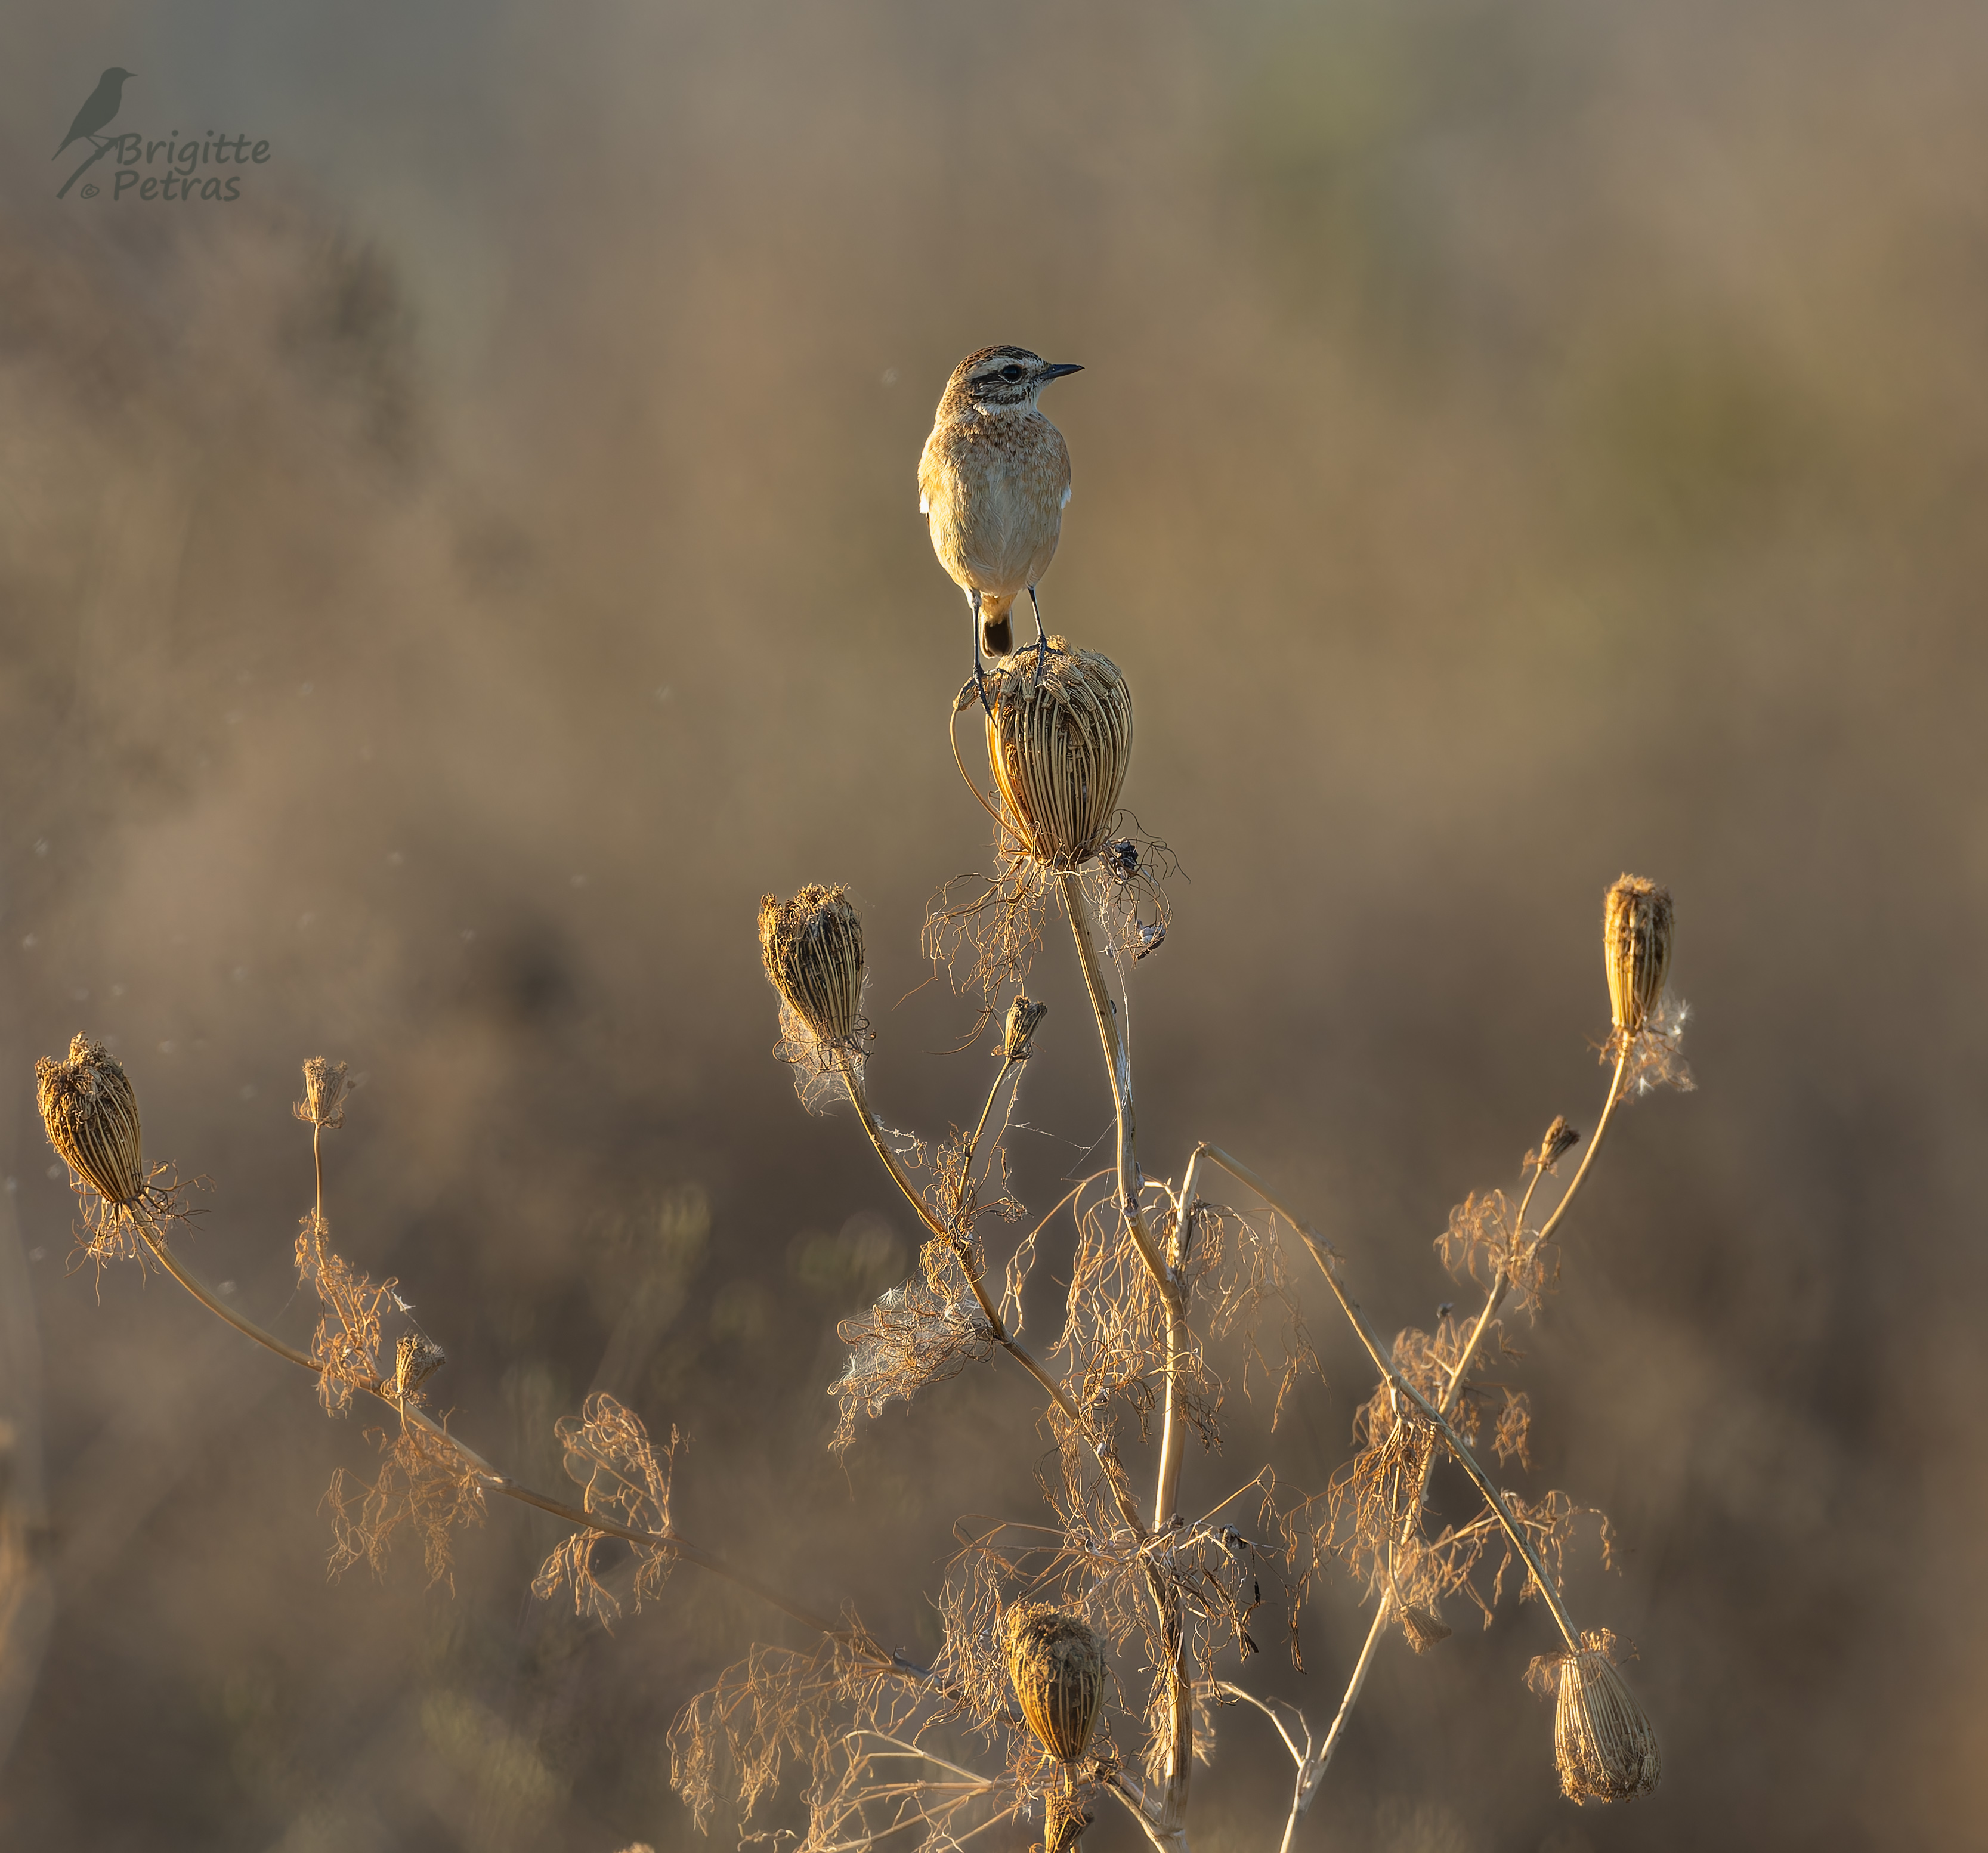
column 997, row 630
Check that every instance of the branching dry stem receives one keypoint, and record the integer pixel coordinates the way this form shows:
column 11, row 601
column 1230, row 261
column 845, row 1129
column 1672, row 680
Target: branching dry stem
column 1107, row 1457
column 1329, row 1264
column 1493, row 1299
column 496, row 1481
column 1166, row 1827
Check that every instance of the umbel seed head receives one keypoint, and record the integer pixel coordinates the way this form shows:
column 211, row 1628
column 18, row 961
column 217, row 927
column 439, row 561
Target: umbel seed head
column 1636, row 948
column 1060, row 742
column 812, row 945
column 1560, row 1138
column 1603, row 1739
column 1057, row 1670
column 91, row 1115
column 325, row 1090
column 1018, row 1033
column 416, row 1358
column 1424, row 1628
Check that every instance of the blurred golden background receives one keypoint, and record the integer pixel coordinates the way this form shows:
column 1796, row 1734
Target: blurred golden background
column 441, row 591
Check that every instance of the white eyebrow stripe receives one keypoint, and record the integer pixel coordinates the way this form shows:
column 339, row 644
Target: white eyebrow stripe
column 1065, row 503
column 924, row 503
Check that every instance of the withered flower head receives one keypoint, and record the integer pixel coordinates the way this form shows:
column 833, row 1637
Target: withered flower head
column 1422, row 1628
column 1060, row 741
column 1064, row 1819
column 325, row 1090
column 1636, row 948
column 1019, row 1030
column 92, row 1116
column 1057, row 1670
column 1560, row 1139
column 416, row 1358
column 812, row 945
column 1602, row 1740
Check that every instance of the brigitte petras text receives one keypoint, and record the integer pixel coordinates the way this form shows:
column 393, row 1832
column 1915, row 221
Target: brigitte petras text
column 183, row 160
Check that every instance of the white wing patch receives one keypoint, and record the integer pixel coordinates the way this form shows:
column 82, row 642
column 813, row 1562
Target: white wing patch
column 924, row 503
column 1065, row 503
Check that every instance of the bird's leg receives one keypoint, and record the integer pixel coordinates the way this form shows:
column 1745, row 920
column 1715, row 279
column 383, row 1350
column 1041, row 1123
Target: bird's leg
column 1041, row 636
column 979, row 672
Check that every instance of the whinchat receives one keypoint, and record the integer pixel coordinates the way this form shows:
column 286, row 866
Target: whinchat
column 993, row 483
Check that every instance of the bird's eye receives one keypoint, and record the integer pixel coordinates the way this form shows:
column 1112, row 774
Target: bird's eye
column 1011, row 373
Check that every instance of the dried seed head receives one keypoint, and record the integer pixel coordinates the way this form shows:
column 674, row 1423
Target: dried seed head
column 416, row 1358
column 1064, row 1819
column 1636, row 948
column 1560, row 1139
column 1059, row 742
column 812, row 945
column 1018, row 1032
column 1057, row 1670
column 1423, row 1629
column 325, row 1090
column 1602, row 1740
column 92, row 1116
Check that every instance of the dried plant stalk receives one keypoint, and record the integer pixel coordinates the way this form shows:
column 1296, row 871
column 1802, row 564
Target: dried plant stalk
column 1064, row 1819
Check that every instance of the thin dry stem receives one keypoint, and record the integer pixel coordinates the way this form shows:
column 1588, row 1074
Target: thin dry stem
column 1551, row 1147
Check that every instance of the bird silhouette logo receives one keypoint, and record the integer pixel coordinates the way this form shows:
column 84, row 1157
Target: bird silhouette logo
column 99, row 108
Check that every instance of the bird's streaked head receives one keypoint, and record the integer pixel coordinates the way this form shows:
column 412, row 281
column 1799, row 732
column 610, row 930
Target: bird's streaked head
column 998, row 380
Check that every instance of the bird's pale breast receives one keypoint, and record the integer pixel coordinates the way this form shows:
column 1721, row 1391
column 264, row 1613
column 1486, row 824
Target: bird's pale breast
column 994, row 490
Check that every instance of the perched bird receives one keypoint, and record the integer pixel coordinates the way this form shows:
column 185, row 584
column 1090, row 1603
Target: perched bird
column 993, row 483
column 98, row 108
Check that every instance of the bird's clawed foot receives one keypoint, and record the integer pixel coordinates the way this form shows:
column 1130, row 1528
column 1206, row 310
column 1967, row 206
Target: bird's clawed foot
column 980, row 668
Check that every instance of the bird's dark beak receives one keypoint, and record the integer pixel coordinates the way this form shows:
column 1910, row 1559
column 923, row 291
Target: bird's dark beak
column 1057, row 370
